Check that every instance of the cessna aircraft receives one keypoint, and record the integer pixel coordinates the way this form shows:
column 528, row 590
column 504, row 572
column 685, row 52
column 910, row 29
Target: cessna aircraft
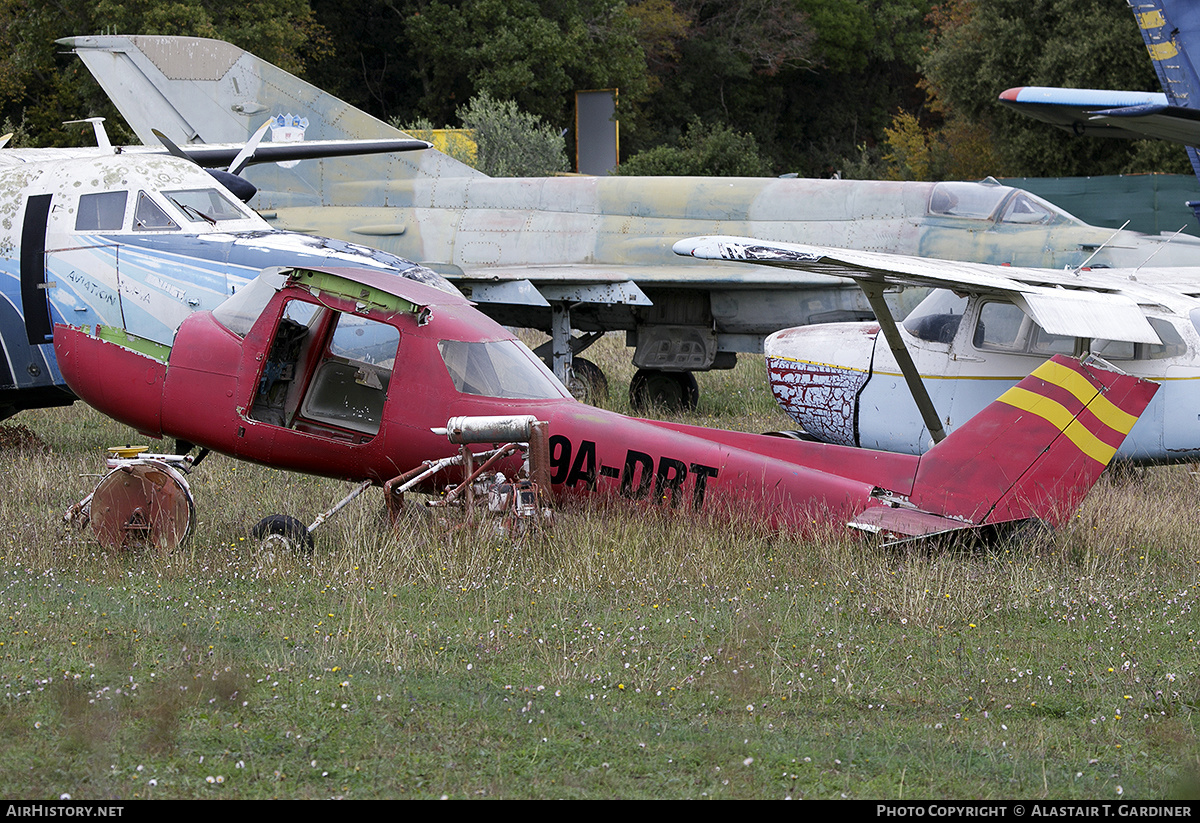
column 585, row 253
column 981, row 330
column 134, row 240
column 357, row 374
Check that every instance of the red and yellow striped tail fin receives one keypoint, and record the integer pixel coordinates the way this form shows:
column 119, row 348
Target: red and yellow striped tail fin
column 1038, row 449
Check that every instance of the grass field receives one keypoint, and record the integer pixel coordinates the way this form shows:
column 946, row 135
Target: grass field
column 624, row 655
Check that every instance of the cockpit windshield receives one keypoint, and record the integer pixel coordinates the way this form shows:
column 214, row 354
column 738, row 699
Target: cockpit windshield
column 936, row 318
column 502, row 368
column 991, row 201
column 974, row 201
column 240, row 311
column 208, row 205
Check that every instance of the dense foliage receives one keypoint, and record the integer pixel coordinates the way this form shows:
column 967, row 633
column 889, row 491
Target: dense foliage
column 886, row 88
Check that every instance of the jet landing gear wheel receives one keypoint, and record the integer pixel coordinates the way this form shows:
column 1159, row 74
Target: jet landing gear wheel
column 589, row 383
column 142, row 504
column 668, row 390
column 283, row 532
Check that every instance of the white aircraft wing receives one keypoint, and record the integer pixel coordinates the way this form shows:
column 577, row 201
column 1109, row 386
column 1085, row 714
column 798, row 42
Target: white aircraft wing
column 1060, row 302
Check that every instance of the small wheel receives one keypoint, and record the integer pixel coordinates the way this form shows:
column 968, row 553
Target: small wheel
column 588, row 383
column 668, row 390
column 285, row 532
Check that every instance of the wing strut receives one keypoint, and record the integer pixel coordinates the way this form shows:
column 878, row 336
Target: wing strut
column 883, row 313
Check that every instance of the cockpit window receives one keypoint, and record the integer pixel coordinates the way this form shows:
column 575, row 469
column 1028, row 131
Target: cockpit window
column 1001, row 327
column 937, row 317
column 974, row 201
column 240, row 311
column 103, row 211
column 149, row 216
column 366, row 341
column 504, row 368
column 987, row 201
column 1004, row 327
column 1027, row 209
column 207, row 205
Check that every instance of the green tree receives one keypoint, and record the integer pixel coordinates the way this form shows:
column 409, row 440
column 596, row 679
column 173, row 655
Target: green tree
column 703, row 151
column 512, row 143
column 536, row 54
column 813, row 79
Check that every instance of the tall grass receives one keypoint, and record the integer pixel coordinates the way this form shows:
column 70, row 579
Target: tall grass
column 622, row 653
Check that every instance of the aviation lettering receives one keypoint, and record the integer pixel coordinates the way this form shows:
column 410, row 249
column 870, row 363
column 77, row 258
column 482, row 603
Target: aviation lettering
column 583, row 468
column 636, row 477
column 633, row 461
column 88, row 285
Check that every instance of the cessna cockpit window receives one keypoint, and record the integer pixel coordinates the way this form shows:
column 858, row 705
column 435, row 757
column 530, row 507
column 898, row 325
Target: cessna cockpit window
column 1000, row 327
column 103, row 211
column 240, row 311
column 349, row 385
column 149, row 216
column 208, row 205
column 504, row 368
column 937, row 317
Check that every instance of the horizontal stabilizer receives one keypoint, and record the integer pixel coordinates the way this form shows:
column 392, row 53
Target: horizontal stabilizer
column 906, row 522
column 221, row 156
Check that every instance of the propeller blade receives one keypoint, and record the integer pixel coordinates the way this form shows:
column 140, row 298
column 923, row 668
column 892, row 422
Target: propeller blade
column 248, row 150
column 170, row 145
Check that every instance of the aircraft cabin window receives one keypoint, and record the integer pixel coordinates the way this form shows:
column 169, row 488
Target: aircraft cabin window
column 1051, row 344
column 103, row 211
column 348, row 390
column 504, row 368
column 241, row 310
column 149, row 216
column 937, row 317
column 208, row 205
column 1004, row 327
column 1000, row 326
column 1172, row 344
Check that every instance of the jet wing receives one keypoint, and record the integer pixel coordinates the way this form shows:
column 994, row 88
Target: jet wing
column 1106, row 113
column 1060, row 302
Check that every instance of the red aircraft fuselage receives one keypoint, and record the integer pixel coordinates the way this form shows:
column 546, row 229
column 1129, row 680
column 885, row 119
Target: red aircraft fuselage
column 345, row 373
